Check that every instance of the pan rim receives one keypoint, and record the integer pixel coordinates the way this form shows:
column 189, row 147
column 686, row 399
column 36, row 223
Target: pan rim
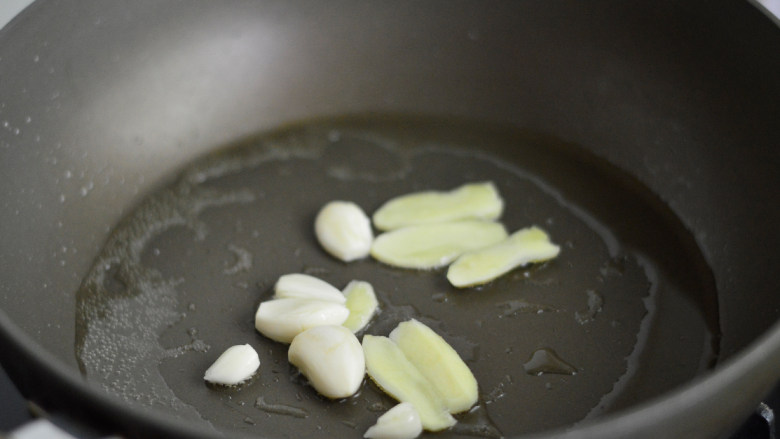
column 749, row 373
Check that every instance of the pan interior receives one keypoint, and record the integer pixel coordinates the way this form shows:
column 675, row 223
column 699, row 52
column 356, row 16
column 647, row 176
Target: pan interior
column 629, row 304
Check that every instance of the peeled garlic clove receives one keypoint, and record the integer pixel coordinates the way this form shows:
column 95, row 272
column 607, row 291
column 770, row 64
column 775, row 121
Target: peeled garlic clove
column 344, row 230
column 400, row 422
column 282, row 319
column 439, row 363
column 235, row 365
column 389, row 368
column 525, row 246
column 303, row 286
column 470, row 201
column 331, row 358
column 435, row 245
column 362, row 304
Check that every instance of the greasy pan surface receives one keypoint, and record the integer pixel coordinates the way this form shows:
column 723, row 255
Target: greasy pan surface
column 639, row 138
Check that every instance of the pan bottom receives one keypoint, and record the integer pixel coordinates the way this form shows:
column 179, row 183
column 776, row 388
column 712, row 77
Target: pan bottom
column 626, row 312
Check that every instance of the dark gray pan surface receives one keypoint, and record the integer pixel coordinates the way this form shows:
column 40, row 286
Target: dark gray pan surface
column 103, row 104
column 630, row 303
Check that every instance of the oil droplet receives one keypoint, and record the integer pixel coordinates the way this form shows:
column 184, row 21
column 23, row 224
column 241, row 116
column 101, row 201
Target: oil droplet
column 595, row 304
column 243, row 260
column 544, row 361
column 280, row 409
column 513, row 307
column 476, row 422
column 439, row 297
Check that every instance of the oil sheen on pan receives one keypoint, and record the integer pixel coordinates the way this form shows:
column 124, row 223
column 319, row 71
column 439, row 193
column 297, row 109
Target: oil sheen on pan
column 627, row 311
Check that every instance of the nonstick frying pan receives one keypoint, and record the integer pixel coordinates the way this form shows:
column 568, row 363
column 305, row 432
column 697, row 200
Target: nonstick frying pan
column 163, row 162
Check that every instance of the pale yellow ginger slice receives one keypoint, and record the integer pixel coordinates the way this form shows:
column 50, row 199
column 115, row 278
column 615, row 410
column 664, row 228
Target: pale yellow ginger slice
column 389, row 368
column 430, row 246
column 525, row 246
column 361, row 303
column 400, row 422
column 470, row 201
column 331, row 358
column 439, row 363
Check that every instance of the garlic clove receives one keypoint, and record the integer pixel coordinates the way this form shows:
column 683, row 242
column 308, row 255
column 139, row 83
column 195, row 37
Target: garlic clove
column 470, row 201
column 362, row 304
column 344, row 230
column 331, row 358
column 235, row 365
column 435, row 245
column 282, row 319
column 400, row 422
column 303, row 286
column 389, row 368
column 525, row 246
column 439, row 363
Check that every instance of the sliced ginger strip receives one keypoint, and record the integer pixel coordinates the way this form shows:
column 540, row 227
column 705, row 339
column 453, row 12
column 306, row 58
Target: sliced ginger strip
column 439, row 363
column 435, row 245
column 470, row 201
column 361, row 303
column 389, row 368
column 525, row 246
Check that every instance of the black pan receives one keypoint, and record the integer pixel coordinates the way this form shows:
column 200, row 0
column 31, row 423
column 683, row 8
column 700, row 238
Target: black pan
column 163, row 163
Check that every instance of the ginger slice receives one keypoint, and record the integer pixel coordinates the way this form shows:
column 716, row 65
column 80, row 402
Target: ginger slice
column 430, row 246
column 470, row 201
column 361, row 303
column 525, row 246
column 439, row 363
column 389, row 368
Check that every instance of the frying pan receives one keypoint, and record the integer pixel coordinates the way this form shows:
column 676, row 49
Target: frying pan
column 162, row 164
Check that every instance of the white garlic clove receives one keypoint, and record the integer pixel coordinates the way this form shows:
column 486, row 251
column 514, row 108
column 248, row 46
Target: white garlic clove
column 400, row 422
column 282, row 319
column 430, row 246
column 303, row 286
column 439, row 363
column 344, row 230
column 525, row 246
column 235, row 365
column 331, row 358
column 470, row 201
column 362, row 304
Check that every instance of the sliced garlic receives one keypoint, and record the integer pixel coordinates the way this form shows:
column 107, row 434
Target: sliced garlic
column 331, row 358
column 470, row 201
column 439, row 363
column 282, row 319
column 389, row 368
column 362, row 304
column 400, row 422
column 344, row 230
column 435, row 245
column 235, row 365
column 525, row 246
column 303, row 286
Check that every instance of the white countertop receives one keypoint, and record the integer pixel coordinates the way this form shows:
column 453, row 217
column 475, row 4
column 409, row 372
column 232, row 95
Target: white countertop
column 9, row 9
